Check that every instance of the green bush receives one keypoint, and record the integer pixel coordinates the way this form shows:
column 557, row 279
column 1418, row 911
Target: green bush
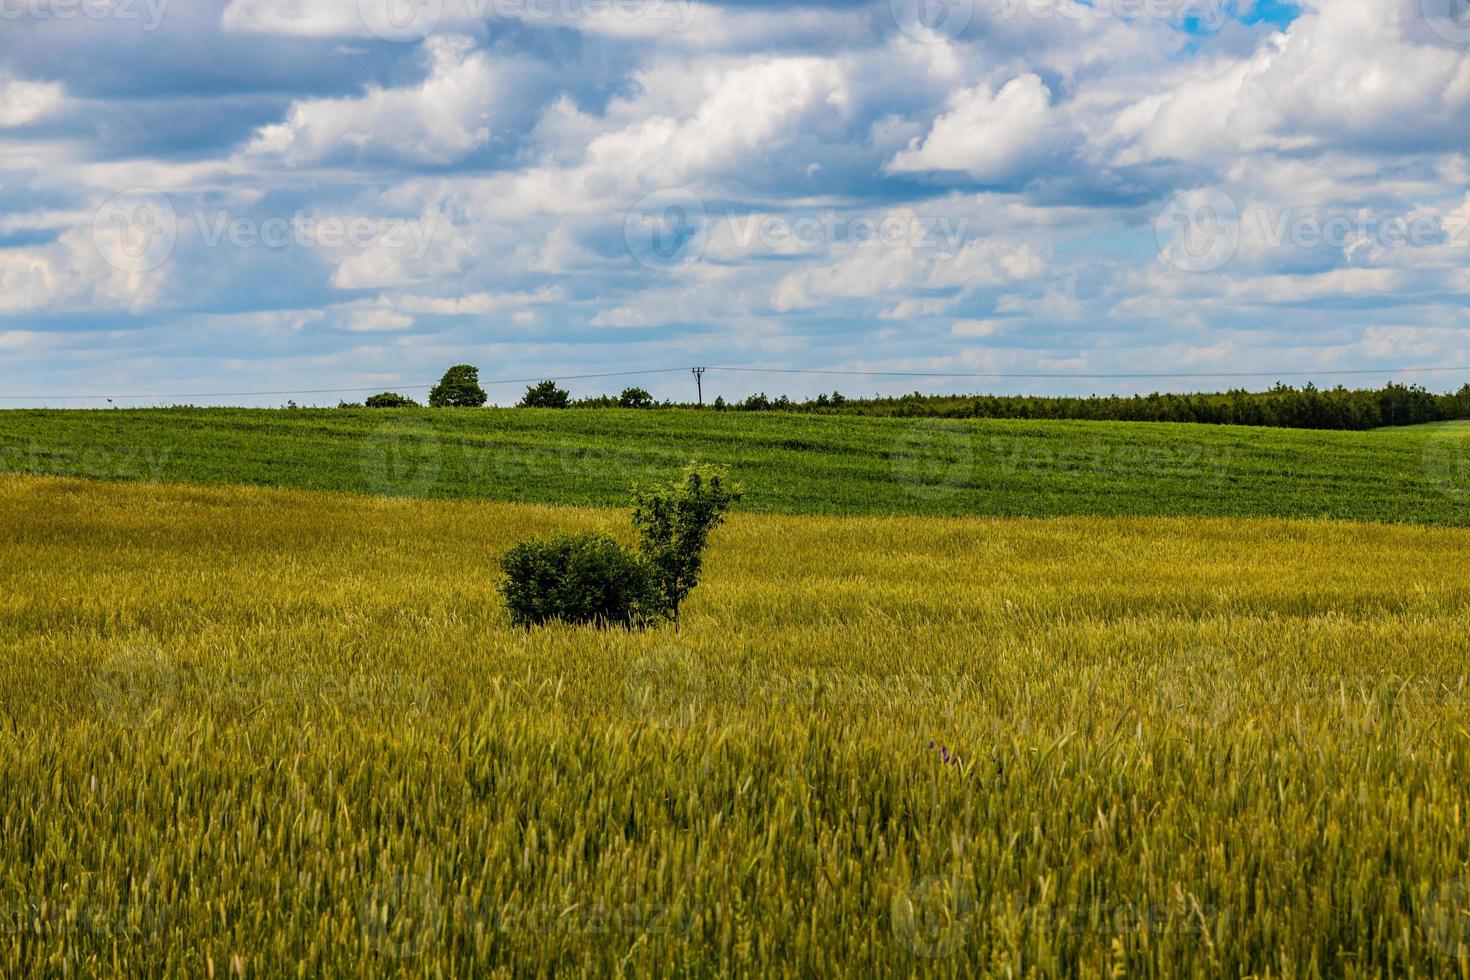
column 391, row 399
column 577, row 578
column 635, row 398
column 590, row 578
column 545, row 395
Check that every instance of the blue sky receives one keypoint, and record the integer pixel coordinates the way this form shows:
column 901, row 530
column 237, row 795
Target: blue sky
column 273, row 195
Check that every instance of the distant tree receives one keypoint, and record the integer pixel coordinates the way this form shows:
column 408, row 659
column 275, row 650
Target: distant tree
column 391, row 399
column 720, row 405
column 459, row 388
column 1308, row 407
column 545, row 395
column 635, row 398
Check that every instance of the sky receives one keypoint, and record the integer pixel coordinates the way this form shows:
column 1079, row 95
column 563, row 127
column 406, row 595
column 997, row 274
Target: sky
column 223, row 197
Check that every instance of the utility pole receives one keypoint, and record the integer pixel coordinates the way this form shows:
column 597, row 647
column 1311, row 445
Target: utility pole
column 699, row 384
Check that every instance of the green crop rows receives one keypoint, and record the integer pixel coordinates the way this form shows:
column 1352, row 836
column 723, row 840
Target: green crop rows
column 790, row 463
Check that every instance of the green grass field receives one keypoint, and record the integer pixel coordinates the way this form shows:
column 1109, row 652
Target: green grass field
column 954, row 699
column 790, row 463
column 260, row 733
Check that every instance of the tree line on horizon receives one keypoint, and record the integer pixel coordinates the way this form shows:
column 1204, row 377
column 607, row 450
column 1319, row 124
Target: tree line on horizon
column 1281, row 406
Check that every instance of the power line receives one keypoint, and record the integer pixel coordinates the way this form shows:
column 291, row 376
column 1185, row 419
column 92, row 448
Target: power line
column 1090, row 377
column 339, row 391
column 1014, row 376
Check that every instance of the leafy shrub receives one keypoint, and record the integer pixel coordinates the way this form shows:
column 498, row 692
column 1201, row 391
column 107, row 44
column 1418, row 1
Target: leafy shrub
column 391, row 399
column 590, row 578
column 545, row 395
column 577, row 578
column 635, row 398
column 459, row 388
column 674, row 521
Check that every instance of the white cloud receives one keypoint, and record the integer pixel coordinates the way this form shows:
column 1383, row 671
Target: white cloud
column 23, row 102
column 373, row 321
column 30, row 280
column 1366, row 74
column 293, row 18
column 438, row 121
column 991, row 136
column 976, row 328
column 478, row 304
column 882, row 271
column 71, row 275
column 26, row 340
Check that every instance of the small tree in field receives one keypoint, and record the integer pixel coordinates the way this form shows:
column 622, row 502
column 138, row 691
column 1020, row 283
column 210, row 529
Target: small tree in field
column 459, row 388
column 390, row 399
column 674, row 521
column 545, row 395
column 635, row 398
column 591, row 578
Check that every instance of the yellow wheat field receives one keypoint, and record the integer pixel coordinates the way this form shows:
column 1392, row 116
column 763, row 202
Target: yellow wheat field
column 256, row 732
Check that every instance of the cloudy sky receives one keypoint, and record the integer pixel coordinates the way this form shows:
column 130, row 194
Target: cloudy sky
column 203, row 196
